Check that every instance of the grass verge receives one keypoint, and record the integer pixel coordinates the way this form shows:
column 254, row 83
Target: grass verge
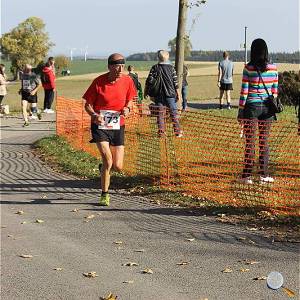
column 62, row 157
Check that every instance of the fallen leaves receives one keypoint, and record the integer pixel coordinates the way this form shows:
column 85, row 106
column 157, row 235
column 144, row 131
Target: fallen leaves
column 147, row 271
column 130, row 264
column 289, row 292
column 190, row 240
column 260, row 278
column 24, row 222
column 20, row 212
column 227, row 270
column 90, row 217
column 128, row 281
column 118, row 242
column 182, row 263
column 92, row 274
column 110, row 296
column 58, row 269
column 39, row 221
column 243, row 270
column 139, row 250
column 26, row 256
column 75, row 210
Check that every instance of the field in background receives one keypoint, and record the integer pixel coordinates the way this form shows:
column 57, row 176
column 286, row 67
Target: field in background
column 202, row 83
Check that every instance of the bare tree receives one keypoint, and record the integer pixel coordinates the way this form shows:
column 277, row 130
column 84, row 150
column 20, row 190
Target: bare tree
column 181, row 34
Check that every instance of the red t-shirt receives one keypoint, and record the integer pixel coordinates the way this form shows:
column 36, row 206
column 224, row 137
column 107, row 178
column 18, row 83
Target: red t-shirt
column 105, row 95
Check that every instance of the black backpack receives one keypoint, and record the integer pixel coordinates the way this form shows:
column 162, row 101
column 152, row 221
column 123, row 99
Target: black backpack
column 154, row 82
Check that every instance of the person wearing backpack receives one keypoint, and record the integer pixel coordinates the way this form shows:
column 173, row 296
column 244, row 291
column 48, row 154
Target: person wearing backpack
column 162, row 86
column 260, row 80
column 135, row 77
column 48, row 82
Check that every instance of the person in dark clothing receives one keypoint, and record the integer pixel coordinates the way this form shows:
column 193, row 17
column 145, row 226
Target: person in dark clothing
column 184, row 89
column 168, row 95
column 136, row 82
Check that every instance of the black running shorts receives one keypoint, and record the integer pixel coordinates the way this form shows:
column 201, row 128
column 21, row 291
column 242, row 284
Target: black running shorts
column 114, row 137
column 226, row 86
column 30, row 98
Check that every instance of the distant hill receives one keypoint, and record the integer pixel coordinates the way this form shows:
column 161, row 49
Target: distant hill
column 235, row 55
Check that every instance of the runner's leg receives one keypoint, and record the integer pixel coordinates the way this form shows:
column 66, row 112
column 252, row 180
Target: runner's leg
column 107, row 163
column 228, row 97
column 221, row 98
column 24, row 110
column 117, row 157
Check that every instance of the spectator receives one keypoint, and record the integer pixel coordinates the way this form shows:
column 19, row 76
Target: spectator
column 137, row 84
column 168, row 94
column 29, row 87
column 3, row 83
column 225, row 80
column 254, row 111
column 108, row 101
column 48, row 81
column 184, row 89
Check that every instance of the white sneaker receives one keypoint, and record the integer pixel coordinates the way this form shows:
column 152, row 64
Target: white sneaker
column 45, row 110
column 266, row 179
column 246, row 180
column 50, row 111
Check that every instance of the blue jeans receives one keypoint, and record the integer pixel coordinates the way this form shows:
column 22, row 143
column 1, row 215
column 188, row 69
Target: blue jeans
column 163, row 104
column 184, row 92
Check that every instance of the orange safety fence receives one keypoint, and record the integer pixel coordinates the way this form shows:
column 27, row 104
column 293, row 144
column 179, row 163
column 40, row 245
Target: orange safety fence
column 208, row 160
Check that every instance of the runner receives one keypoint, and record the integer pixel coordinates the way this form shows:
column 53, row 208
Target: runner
column 29, row 87
column 108, row 102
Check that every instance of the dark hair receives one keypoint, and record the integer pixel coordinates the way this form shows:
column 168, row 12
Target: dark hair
column 47, row 64
column 50, row 58
column 2, row 66
column 259, row 56
column 130, row 68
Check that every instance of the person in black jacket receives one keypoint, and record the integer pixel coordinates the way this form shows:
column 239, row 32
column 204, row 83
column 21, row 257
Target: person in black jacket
column 168, row 94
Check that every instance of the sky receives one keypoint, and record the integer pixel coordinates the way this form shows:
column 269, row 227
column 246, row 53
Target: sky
column 131, row 26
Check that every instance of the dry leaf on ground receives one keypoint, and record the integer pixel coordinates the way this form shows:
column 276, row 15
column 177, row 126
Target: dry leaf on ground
column 118, row 242
column 44, row 197
column 147, row 271
column 241, row 238
column 139, row 250
column 26, row 256
column 10, row 235
column 109, row 296
column 191, row 240
column 39, row 221
column 75, row 210
column 90, row 217
column 260, row 278
column 128, row 281
column 20, row 212
column 130, row 264
column 289, row 292
column 58, row 269
column 24, row 222
column 3, row 226
column 252, row 228
column 244, row 270
column 182, row 263
column 92, row 274
column 251, row 262
column 227, row 270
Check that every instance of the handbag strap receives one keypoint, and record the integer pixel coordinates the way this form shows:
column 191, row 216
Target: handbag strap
column 259, row 74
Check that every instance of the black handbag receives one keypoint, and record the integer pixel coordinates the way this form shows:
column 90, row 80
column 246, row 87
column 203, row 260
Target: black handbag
column 273, row 103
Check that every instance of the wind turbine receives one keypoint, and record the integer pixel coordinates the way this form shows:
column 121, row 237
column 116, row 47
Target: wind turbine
column 86, row 53
column 71, row 53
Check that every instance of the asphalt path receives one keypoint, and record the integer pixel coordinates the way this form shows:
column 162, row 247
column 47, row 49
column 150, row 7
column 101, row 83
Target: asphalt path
column 131, row 230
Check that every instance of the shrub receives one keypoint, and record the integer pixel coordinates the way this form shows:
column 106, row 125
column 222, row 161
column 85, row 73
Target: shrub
column 289, row 88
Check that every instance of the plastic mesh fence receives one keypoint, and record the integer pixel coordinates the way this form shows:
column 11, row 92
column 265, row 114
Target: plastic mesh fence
column 208, row 160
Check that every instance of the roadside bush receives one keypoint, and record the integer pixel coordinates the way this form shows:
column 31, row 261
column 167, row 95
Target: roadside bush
column 289, row 88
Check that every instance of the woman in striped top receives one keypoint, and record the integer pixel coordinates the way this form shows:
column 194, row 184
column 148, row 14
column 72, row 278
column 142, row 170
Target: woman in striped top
column 254, row 111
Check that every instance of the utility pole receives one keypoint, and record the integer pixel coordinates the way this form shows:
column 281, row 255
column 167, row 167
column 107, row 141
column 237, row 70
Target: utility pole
column 179, row 59
column 245, row 44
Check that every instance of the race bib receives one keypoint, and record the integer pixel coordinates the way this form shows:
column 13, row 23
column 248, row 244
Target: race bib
column 26, row 85
column 111, row 120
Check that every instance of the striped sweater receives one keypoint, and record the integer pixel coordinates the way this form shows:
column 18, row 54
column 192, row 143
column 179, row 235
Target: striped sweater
column 252, row 87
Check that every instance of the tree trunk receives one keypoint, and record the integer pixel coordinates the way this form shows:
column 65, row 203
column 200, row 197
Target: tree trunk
column 179, row 59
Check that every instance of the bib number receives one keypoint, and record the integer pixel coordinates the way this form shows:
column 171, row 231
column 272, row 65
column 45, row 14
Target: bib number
column 26, row 84
column 111, row 120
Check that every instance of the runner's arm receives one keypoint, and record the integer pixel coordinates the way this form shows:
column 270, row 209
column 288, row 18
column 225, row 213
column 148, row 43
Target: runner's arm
column 95, row 117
